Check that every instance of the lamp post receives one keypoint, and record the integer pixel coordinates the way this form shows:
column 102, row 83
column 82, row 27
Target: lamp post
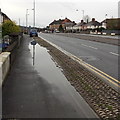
column 33, row 13
column 105, row 21
column 83, row 13
column 19, row 21
column 26, row 18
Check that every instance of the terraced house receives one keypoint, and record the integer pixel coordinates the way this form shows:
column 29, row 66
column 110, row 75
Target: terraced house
column 64, row 22
column 111, row 24
column 92, row 24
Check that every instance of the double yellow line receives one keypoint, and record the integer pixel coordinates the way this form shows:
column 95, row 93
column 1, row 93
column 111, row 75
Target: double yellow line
column 98, row 72
column 88, row 66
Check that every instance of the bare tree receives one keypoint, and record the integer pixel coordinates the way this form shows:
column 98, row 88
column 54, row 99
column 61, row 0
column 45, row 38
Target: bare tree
column 86, row 18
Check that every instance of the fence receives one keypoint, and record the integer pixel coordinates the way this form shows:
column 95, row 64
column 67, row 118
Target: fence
column 117, row 32
column 15, row 41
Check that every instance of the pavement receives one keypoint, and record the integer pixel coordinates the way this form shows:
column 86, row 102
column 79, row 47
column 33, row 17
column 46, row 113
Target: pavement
column 36, row 88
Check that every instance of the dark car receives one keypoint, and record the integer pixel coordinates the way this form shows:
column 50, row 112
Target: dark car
column 33, row 33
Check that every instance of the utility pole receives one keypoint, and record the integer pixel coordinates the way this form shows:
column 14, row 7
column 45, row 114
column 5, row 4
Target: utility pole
column 34, row 13
column 26, row 18
column 83, row 13
column 19, row 21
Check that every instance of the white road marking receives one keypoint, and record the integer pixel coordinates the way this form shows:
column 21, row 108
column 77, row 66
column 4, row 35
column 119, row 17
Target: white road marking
column 93, row 47
column 114, row 53
column 89, row 46
column 84, row 45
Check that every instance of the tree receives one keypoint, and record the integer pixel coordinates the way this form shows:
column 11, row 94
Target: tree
column 9, row 27
column 61, row 28
column 86, row 18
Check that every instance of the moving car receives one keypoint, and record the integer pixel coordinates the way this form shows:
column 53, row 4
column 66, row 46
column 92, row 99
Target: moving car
column 33, row 33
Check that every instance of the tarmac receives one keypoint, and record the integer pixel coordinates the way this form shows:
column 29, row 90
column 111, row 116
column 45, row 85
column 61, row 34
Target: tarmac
column 36, row 88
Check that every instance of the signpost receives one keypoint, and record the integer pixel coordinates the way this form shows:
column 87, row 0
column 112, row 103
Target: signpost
column 0, row 31
column 33, row 43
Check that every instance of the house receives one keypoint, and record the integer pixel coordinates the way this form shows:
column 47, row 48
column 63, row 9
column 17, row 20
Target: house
column 92, row 25
column 111, row 24
column 4, row 17
column 55, row 24
column 79, row 27
column 64, row 22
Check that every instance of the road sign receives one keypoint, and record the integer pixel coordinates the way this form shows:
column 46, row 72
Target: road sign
column 33, row 43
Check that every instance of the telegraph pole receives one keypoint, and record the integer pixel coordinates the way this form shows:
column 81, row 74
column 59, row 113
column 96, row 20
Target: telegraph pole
column 34, row 13
column 19, row 21
column 26, row 18
column 83, row 13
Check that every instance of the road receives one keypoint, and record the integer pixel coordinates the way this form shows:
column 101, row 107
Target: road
column 100, row 55
column 105, row 36
column 40, row 90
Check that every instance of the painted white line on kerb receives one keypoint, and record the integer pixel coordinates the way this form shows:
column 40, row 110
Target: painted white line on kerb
column 89, row 46
column 114, row 53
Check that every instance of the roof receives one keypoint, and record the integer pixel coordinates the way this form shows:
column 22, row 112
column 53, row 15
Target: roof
column 66, row 20
column 111, row 19
column 61, row 21
column 3, row 14
column 56, row 22
column 80, row 24
column 95, row 23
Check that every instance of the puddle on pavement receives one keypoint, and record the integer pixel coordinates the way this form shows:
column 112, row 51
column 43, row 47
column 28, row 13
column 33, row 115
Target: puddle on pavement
column 60, row 86
column 48, row 70
column 45, row 66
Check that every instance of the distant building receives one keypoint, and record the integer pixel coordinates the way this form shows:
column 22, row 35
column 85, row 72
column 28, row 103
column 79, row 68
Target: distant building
column 111, row 24
column 79, row 26
column 64, row 22
column 92, row 24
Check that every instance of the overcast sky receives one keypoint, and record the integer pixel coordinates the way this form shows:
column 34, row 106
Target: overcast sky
column 49, row 10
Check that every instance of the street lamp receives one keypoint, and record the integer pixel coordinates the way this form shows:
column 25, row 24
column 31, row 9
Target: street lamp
column 33, row 13
column 27, row 17
column 83, row 13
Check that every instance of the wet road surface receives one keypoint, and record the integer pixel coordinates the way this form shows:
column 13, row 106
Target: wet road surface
column 100, row 55
column 40, row 90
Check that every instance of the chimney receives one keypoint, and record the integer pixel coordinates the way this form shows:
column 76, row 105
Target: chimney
column 93, row 19
column 82, row 21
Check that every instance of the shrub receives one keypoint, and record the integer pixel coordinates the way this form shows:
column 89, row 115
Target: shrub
column 9, row 27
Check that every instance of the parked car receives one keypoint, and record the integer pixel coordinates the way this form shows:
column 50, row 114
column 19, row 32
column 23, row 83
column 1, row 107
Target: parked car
column 33, row 33
column 57, row 31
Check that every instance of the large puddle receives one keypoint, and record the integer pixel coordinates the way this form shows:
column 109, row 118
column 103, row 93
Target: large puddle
column 60, row 87
column 45, row 66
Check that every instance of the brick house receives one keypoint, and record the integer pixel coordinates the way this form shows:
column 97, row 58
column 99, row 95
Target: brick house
column 80, row 26
column 111, row 24
column 64, row 22
column 92, row 24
